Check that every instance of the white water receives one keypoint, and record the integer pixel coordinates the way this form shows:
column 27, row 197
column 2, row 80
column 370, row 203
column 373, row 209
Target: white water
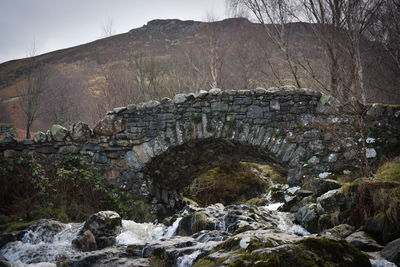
column 37, row 249
column 40, row 250
column 187, row 260
column 274, row 206
column 286, row 221
column 139, row 233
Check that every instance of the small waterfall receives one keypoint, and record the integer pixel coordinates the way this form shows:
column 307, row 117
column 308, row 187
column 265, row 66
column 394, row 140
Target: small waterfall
column 286, row 220
column 134, row 233
column 171, row 231
column 187, row 260
column 40, row 248
column 138, row 233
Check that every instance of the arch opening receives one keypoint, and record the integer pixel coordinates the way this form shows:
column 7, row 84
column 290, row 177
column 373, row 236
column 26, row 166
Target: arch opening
column 169, row 173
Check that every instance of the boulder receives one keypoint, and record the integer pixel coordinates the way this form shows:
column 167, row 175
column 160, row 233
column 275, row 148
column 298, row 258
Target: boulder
column 307, row 216
column 266, row 251
column 80, row 132
column 58, row 132
column 104, row 226
column 363, row 241
column 332, row 200
column 195, row 222
column 391, row 251
column 320, row 186
column 39, row 137
column 340, row 231
column 85, row 242
column 110, row 125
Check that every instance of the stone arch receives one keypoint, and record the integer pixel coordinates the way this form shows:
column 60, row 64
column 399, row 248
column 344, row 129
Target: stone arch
column 201, row 132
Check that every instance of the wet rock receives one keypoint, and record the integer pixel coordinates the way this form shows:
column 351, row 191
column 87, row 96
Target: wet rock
column 110, row 125
column 10, row 237
column 86, row 241
column 80, row 132
column 339, row 231
column 307, row 216
column 58, row 132
column 95, row 258
column 43, row 231
column 391, row 251
column 363, row 241
column 104, row 226
column 320, row 186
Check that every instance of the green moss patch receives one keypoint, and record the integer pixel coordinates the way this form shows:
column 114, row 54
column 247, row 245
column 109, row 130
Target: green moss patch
column 229, row 184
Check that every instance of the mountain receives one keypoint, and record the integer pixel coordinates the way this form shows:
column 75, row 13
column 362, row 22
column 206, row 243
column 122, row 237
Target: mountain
column 165, row 57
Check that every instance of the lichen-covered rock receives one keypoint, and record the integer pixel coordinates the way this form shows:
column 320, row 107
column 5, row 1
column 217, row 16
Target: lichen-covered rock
column 80, row 132
column 110, row 125
column 363, row 241
column 194, row 223
column 104, row 226
column 320, row 186
column 67, row 150
column 39, row 137
column 272, row 252
column 332, row 200
column 58, row 132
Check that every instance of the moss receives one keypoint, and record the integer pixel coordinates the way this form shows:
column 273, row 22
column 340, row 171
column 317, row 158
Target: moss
column 159, row 258
column 198, row 222
column 257, row 201
column 190, row 130
column 230, row 244
column 336, row 253
column 231, row 124
column 197, row 119
column 16, row 226
column 348, row 188
column 227, row 184
column 390, row 171
column 242, row 229
column 204, row 262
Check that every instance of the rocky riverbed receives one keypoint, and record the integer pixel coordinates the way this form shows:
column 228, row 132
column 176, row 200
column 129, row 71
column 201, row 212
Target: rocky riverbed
column 287, row 227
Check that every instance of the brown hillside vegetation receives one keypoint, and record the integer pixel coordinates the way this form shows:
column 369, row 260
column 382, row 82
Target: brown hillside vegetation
column 165, row 57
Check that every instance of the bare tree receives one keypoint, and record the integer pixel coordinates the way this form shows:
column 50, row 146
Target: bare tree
column 61, row 103
column 274, row 16
column 108, row 28
column 32, row 91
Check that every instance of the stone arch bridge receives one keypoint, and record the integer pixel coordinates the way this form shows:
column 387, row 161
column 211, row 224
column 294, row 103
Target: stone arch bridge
column 154, row 149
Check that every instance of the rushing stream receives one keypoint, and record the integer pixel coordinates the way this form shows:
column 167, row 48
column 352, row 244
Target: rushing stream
column 41, row 248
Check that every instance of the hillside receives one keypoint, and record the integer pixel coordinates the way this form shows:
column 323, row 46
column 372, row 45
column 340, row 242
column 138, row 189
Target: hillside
column 165, row 57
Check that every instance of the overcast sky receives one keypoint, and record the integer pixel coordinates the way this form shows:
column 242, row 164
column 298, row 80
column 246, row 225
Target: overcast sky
column 56, row 24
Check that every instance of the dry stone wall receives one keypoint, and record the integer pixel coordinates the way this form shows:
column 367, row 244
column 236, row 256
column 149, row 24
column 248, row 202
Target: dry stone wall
column 154, row 149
